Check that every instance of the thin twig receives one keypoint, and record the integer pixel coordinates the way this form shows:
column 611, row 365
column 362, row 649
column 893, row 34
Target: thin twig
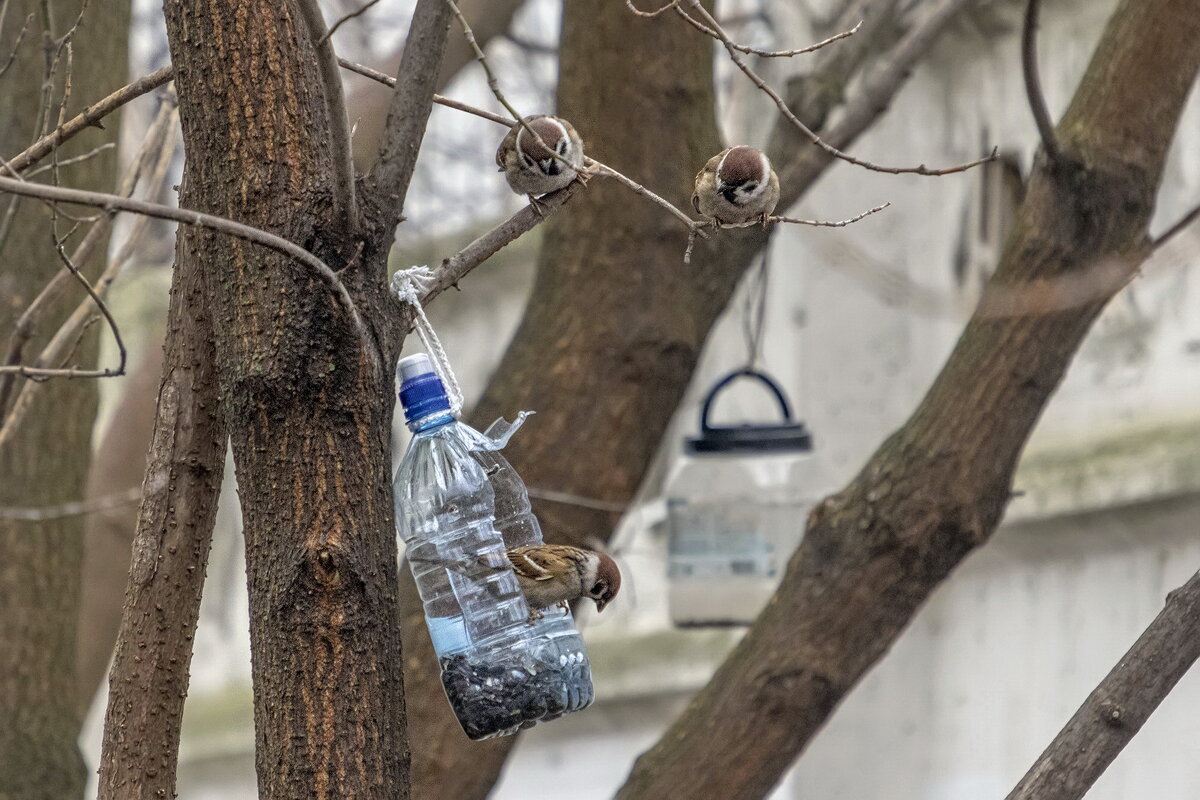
column 492, row 83
column 329, row 34
column 600, row 169
column 1184, row 221
column 1033, row 84
column 111, row 202
column 16, row 45
column 345, row 195
column 24, row 329
column 75, row 509
column 629, row 4
column 813, row 137
column 766, row 53
column 95, row 151
column 90, row 116
column 603, row 169
column 390, row 82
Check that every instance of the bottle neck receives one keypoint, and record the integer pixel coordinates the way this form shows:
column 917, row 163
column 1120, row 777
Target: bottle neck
column 432, row 422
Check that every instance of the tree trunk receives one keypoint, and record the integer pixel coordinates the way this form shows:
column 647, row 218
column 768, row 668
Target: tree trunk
column 937, row 488
column 307, row 400
column 46, row 463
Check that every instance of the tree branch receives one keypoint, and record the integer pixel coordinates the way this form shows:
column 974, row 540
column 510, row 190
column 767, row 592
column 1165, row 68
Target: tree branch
column 389, row 81
column 455, row 268
column 345, row 196
column 936, row 489
column 89, row 117
column 409, row 110
column 110, row 202
column 1033, row 84
column 149, row 677
column 808, row 132
column 1116, row 710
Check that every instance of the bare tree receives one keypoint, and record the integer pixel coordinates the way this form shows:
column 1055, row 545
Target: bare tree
column 282, row 336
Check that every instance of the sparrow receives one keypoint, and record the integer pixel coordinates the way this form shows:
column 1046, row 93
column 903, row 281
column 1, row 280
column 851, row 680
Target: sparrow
column 736, row 186
column 555, row 574
column 533, row 169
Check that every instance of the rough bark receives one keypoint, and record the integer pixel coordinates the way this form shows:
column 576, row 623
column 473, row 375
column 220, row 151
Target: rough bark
column 936, row 488
column 46, row 464
column 118, row 465
column 1116, row 710
column 149, row 677
column 307, row 401
column 616, row 320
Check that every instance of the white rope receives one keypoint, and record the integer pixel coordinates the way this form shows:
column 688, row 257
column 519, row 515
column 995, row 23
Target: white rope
column 409, row 285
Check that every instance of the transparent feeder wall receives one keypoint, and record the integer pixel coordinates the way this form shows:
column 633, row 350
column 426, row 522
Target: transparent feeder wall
column 736, row 507
column 459, row 505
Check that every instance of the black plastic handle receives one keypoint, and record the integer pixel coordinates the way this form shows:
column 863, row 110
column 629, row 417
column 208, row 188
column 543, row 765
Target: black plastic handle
column 745, row 372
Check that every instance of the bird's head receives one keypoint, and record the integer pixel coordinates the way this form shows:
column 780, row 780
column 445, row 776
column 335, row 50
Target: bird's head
column 605, row 583
column 743, row 174
column 558, row 146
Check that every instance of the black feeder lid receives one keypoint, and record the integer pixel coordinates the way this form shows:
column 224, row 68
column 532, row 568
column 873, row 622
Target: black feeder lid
column 779, row 437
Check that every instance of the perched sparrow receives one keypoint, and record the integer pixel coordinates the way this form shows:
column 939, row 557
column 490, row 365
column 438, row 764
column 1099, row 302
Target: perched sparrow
column 736, row 186
column 555, row 574
column 535, row 170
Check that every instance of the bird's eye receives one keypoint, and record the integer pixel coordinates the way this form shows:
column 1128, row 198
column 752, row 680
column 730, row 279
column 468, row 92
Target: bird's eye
column 598, row 589
column 750, row 187
column 561, row 147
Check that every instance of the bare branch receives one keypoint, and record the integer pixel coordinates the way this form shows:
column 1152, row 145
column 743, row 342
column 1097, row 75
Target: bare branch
column 694, row 227
column 629, row 4
column 17, row 44
column 1116, row 710
column 454, row 268
column 411, row 102
column 95, row 151
column 764, row 53
column 358, row 12
column 813, row 137
column 23, row 330
column 90, row 116
column 345, row 197
column 492, row 83
column 389, row 81
column 110, row 202
column 878, row 86
column 687, row 254
column 76, row 509
column 1184, row 221
column 1033, row 84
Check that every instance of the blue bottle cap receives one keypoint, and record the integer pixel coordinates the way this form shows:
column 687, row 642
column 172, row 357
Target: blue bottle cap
column 422, row 392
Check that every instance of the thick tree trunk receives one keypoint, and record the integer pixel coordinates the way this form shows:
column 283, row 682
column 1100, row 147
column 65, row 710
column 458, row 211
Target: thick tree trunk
column 307, row 400
column 46, row 463
column 937, row 488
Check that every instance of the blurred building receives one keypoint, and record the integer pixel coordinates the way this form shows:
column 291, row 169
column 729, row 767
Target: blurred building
column 859, row 321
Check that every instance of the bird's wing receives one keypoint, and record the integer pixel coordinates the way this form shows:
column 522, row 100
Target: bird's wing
column 530, row 563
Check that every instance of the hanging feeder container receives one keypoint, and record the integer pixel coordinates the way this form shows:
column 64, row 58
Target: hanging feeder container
column 736, row 507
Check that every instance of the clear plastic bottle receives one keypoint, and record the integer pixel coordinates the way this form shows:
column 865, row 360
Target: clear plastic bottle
column 500, row 672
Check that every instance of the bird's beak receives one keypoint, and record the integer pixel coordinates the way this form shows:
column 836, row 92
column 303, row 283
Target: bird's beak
column 601, row 602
